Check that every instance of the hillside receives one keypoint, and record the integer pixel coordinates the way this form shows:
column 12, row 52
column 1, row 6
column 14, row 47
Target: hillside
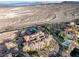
column 20, row 17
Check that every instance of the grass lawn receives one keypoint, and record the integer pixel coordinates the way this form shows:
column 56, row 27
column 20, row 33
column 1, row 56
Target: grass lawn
column 61, row 39
column 78, row 41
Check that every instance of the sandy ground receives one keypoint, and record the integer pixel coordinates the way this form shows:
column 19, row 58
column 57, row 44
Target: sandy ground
column 21, row 17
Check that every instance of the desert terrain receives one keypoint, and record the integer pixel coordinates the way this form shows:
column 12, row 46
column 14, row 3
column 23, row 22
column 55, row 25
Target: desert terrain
column 13, row 18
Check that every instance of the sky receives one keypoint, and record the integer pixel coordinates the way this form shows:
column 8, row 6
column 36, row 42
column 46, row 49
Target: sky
column 38, row 0
column 28, row 0
column 16, row 1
